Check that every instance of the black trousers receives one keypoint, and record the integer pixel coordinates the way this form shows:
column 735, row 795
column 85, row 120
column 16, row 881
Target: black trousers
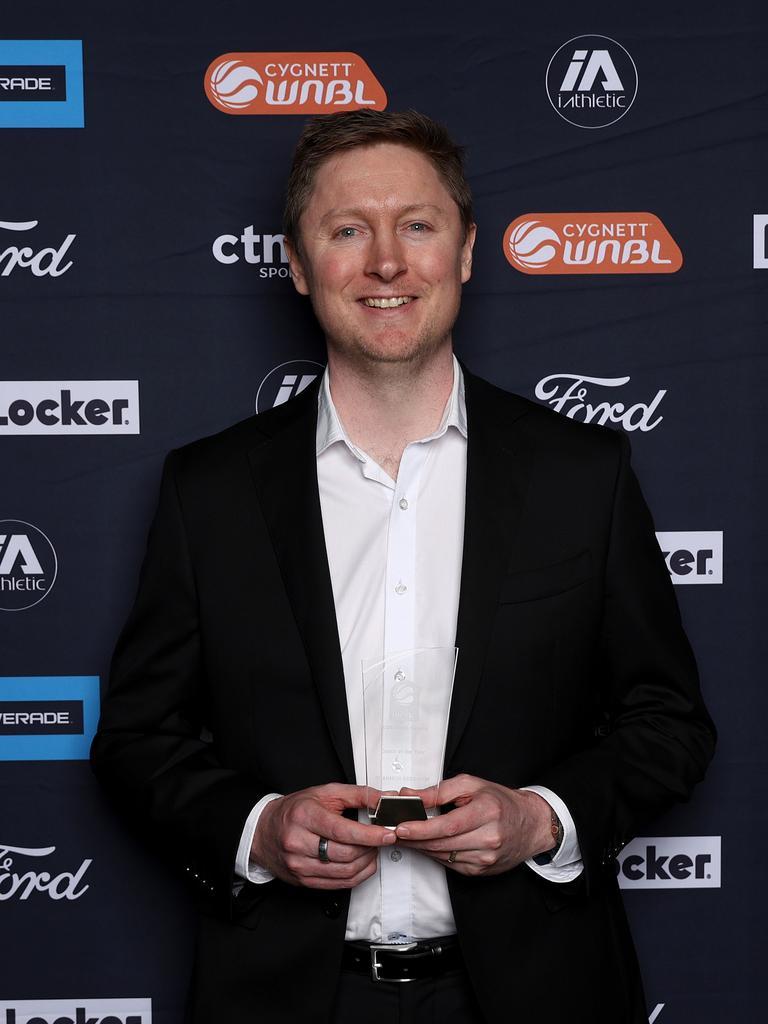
column 448, row 999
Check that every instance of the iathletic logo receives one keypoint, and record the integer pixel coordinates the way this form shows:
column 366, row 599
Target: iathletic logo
column 28, row 565
column 292, row 83
column 591, row 81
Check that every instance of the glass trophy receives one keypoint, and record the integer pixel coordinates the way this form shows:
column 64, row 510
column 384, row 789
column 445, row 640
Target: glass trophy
column 406, row 703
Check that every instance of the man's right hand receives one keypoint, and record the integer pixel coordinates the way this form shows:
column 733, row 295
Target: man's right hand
column 290, row 828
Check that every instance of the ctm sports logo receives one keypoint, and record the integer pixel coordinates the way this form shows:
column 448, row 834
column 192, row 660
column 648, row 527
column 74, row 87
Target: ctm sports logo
column 292, row 83
column 47, row 718
column 41, row 83
column 591, row 243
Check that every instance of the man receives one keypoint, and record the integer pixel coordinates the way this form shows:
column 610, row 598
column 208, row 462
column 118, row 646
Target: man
column 402, row 503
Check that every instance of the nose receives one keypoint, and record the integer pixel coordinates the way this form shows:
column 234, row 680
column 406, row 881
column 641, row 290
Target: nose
column 386, row 256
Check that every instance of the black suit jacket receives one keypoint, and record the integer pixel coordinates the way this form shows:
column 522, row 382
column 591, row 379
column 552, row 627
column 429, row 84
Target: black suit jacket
column 573, row 673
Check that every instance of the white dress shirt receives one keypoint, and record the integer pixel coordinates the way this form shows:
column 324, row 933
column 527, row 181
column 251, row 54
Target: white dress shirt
column 394, row 551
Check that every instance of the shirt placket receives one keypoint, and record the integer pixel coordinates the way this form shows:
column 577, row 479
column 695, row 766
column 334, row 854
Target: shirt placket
column 397, row 908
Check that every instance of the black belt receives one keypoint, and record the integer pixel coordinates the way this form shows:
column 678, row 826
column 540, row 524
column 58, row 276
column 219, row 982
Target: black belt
column 426, row 959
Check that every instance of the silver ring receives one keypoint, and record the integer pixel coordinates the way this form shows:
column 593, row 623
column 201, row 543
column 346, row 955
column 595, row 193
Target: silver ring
column 322, row 850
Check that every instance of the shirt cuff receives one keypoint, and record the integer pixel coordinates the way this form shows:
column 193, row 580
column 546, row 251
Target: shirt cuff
column 244, row 866
column 566, row 863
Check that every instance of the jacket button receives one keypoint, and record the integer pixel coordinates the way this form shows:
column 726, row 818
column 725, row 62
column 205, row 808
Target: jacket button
column 332, row 909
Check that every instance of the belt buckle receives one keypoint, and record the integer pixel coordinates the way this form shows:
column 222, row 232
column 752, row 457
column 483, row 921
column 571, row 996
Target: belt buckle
column 377, row 947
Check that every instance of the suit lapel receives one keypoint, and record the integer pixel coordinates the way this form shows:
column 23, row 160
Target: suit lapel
column 498, row 465
column 284, row 470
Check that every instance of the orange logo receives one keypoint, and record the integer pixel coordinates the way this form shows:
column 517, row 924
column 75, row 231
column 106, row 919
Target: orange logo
column 591, row 243
column 292, row 83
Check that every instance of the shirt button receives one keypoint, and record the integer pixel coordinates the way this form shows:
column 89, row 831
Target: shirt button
column 400, row 588
column 403, row 503
column 395, row 856
column 400, row 676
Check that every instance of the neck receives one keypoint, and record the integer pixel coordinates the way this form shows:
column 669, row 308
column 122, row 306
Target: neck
column 385, row 406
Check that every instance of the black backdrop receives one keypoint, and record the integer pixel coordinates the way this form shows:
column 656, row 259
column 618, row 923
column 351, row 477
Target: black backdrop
column 155, row 176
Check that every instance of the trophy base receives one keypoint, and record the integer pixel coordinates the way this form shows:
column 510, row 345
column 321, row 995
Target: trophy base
column 393, row 810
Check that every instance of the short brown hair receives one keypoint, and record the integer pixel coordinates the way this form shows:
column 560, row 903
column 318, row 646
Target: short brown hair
column 332, row 133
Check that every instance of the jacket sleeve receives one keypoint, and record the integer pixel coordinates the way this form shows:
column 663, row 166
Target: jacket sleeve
column 655, row 738
column 153, row 750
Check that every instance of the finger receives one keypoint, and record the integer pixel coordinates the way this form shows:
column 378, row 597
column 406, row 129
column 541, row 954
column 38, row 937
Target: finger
column 454, row 823
column 325, row 882
column 340, row 795
column 311, row 867
column 473, row 840
column 341, row 830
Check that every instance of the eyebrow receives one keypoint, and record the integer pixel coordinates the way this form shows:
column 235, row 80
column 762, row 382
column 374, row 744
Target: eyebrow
column 359, row 211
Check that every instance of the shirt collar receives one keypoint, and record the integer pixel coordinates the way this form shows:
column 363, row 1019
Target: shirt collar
column 330, row 429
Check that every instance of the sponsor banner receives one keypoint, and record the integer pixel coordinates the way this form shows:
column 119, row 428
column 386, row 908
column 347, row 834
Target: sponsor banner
column 75, row 1011
column 656, row 1012
column 28, row 883
column 571, row 394
column 670, row 862
column 760, row 241
column 48, row 261
column 69, row 407
column 47, row 718
column 693, row 556
column 292, row 83
column 267, row 252
column 28, row 565
column 41, row 83
column 591, row 243
column 591, row 81
column 286, row 381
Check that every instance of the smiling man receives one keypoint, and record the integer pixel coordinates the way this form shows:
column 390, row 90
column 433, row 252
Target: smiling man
column 402, row 503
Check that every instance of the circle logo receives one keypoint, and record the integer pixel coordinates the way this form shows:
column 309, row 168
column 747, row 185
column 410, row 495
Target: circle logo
column 591, row 81
column 235, row 84
column 532, row 244
column 286, row 381
column 28, row 565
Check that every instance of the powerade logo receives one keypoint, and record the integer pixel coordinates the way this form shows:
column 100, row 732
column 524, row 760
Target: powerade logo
column 41, row 83
column 693, row 556
column 69, row 407
column 670, row 862
column 286, row 381
column 76, row 1011
column 47, row 718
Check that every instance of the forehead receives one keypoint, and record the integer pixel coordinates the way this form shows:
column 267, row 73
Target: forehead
column 379, row 177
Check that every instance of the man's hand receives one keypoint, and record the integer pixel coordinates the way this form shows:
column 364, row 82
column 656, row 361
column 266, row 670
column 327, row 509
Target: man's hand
column 289, row 832
column 491, row 830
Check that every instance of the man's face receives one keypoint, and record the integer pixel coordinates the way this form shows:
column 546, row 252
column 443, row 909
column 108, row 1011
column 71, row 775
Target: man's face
column 382, row 254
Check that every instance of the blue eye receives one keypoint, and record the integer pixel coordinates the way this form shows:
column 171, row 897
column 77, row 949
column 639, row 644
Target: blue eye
column 418, row 227
column 347, row 232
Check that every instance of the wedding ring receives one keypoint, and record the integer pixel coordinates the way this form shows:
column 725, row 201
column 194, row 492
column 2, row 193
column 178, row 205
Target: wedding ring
column 322, row 850
column 452, row 856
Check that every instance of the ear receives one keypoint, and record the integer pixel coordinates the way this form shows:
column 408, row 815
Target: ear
column 298, row 275
column 466, row 253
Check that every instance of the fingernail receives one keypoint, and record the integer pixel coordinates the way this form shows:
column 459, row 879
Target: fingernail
column 404, row 831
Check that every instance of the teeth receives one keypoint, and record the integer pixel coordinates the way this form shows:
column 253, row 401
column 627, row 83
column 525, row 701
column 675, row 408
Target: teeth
column 400, row 300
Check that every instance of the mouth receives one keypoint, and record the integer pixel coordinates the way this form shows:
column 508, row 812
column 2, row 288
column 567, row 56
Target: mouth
column 391, row 302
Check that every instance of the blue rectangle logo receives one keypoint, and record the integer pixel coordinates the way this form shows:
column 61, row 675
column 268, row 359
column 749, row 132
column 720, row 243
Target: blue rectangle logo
column 41, row 83
column 47, row 718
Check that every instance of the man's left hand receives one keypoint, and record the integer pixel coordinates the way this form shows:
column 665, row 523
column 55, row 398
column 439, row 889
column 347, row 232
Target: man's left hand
column 491, row 829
